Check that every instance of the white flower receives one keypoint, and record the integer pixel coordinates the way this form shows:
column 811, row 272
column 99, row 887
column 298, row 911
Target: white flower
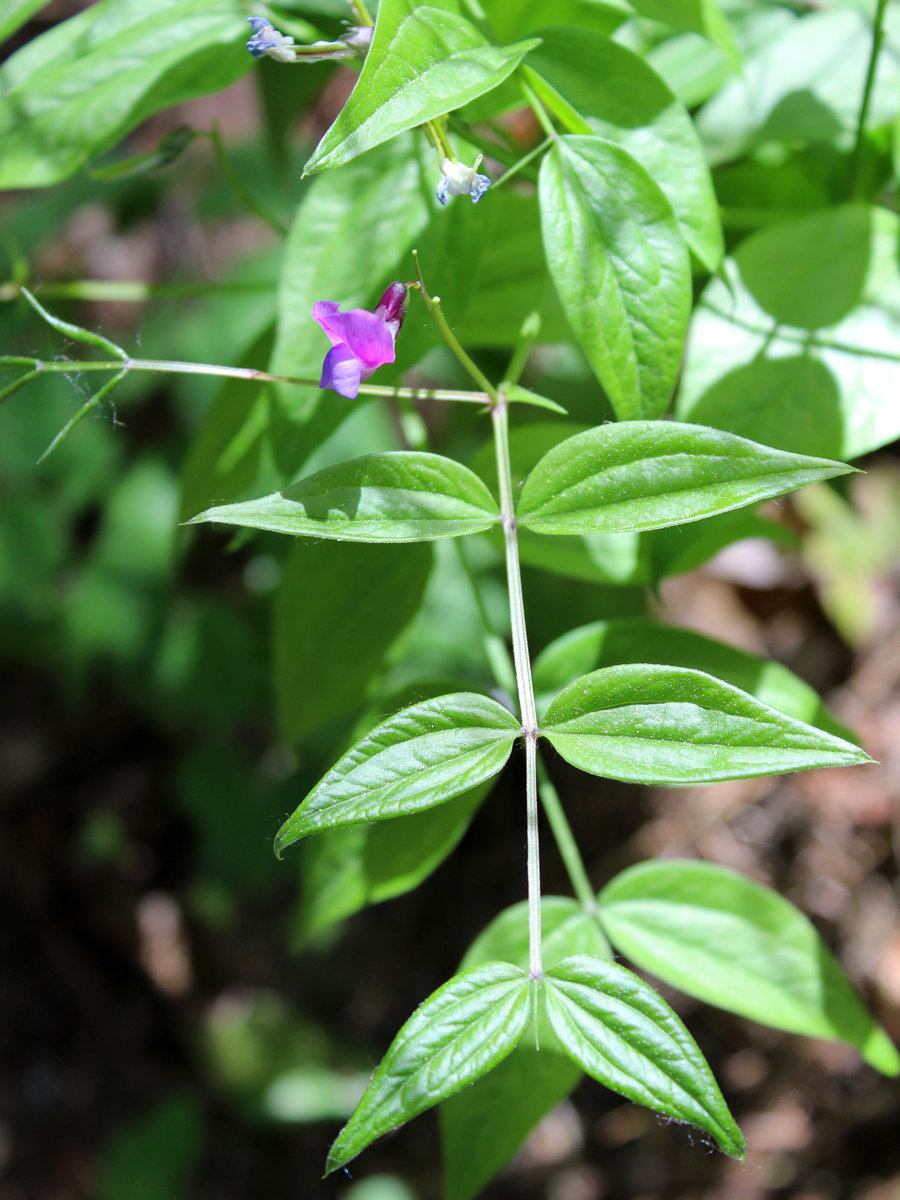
column 459, row 180
column 267, row 40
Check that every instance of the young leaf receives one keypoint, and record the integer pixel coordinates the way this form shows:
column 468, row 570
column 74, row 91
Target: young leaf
column 594, row 85
column 636, row 639
column 338, row 610
column 396, row 496
column 566, row 930
column 73, row 92
column 732, row 942
column 621, row 269
column 484, row 1125
column 652, row 724
column 622, row 1033
column 649, row 474
column 461, row 1031
column 418, row 758
column 425, row 60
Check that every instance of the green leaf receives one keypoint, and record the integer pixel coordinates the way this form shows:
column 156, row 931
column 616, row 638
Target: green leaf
column 621, row 269
column 154, row 1157
column 636, row 639
column 521, row 395
column 622, row 1033
column 594, row 85
column 649, row 474
column 484, row 1125
column 425, row 60
column 566, row 930
column 396, row 496
column 15, row 13
column 345, row 869
column 732, row 942
column 461, row 1031
column 352, row 232
column 680, row 548
column 658, row 724
column 418, row 758
column 512, row 18
column 834, row 388
column 804, row 85
column 810, row 273
column 338, row 610
column 73, row 92
column 701, row 16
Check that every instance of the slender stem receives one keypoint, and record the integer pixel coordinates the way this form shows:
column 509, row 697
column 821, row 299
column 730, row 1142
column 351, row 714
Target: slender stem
column 362, row 14
column 243, row 194
column 129, row 291
column 540, row 112
column 487, row 146
column 435, row 133
column 565, row 841
column 165, row 367
column 527, row 707
column 859, row 148
column 531, row 328
column 434, row 306
column 93, row 403
column 523, row 162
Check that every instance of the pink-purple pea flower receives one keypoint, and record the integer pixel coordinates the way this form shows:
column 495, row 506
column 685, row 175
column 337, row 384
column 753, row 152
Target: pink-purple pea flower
column 361, row 341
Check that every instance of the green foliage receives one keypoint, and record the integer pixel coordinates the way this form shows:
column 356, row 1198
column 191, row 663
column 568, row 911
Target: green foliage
column 646, row 475
column 566, row 930
column 339, row 602
column 734, row 943
column 154, row 1158
column 425, row 60
column 75, row 91
column 463, row 1030
column 675, row 725
column 622, row 1033
column 402, row 496
column 621, row 269
column 428, row 753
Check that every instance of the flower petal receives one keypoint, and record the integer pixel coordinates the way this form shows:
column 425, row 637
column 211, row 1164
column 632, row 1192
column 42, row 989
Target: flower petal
column 367, row 335
column 323, row 310
column 341, row 372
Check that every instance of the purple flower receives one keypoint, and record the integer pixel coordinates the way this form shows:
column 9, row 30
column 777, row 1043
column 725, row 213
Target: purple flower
column 361, row 341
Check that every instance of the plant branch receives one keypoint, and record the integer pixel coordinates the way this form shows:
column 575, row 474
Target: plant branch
column 540, row 112
column 527, row 707
column 95, row 400
column 859, row 147
column 243, row 194
column 433, row 304
column 128, row 291
column 523, row 162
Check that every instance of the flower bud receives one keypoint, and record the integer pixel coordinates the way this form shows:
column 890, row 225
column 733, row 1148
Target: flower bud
column 392, row 306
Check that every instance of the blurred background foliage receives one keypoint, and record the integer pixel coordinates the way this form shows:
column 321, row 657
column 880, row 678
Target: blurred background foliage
column 181, row 1014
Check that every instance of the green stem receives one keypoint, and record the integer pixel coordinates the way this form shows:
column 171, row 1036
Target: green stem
column 540, row 112
column 434, row 307
column 93, row 403
column 362, row 14
column 487, row 146
column 565, row 841
column 859, row 147
column 527, row 707
column 531, row 328
column 133, row 292
column 244, row 196
column 523, row 162
column 165, row 367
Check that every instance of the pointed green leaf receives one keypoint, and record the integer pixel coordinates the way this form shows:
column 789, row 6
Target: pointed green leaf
column 396, row 496
column 461, row 1031
column 637, row 639
column 521, row 395
column 649, row 474
column 566, row 930
column 484, row 1125
column 732, row 942
column 621, row 269
column 416, row 759
column 622, row 1033
column 594, row 85
column 425, row 60
column 652, row 724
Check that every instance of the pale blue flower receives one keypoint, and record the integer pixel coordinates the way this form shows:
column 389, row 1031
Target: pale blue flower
column 268, row 41
column 459, row 180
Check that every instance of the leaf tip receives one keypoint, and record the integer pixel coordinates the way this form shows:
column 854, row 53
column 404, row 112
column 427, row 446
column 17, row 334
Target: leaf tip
column 880, row 1052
